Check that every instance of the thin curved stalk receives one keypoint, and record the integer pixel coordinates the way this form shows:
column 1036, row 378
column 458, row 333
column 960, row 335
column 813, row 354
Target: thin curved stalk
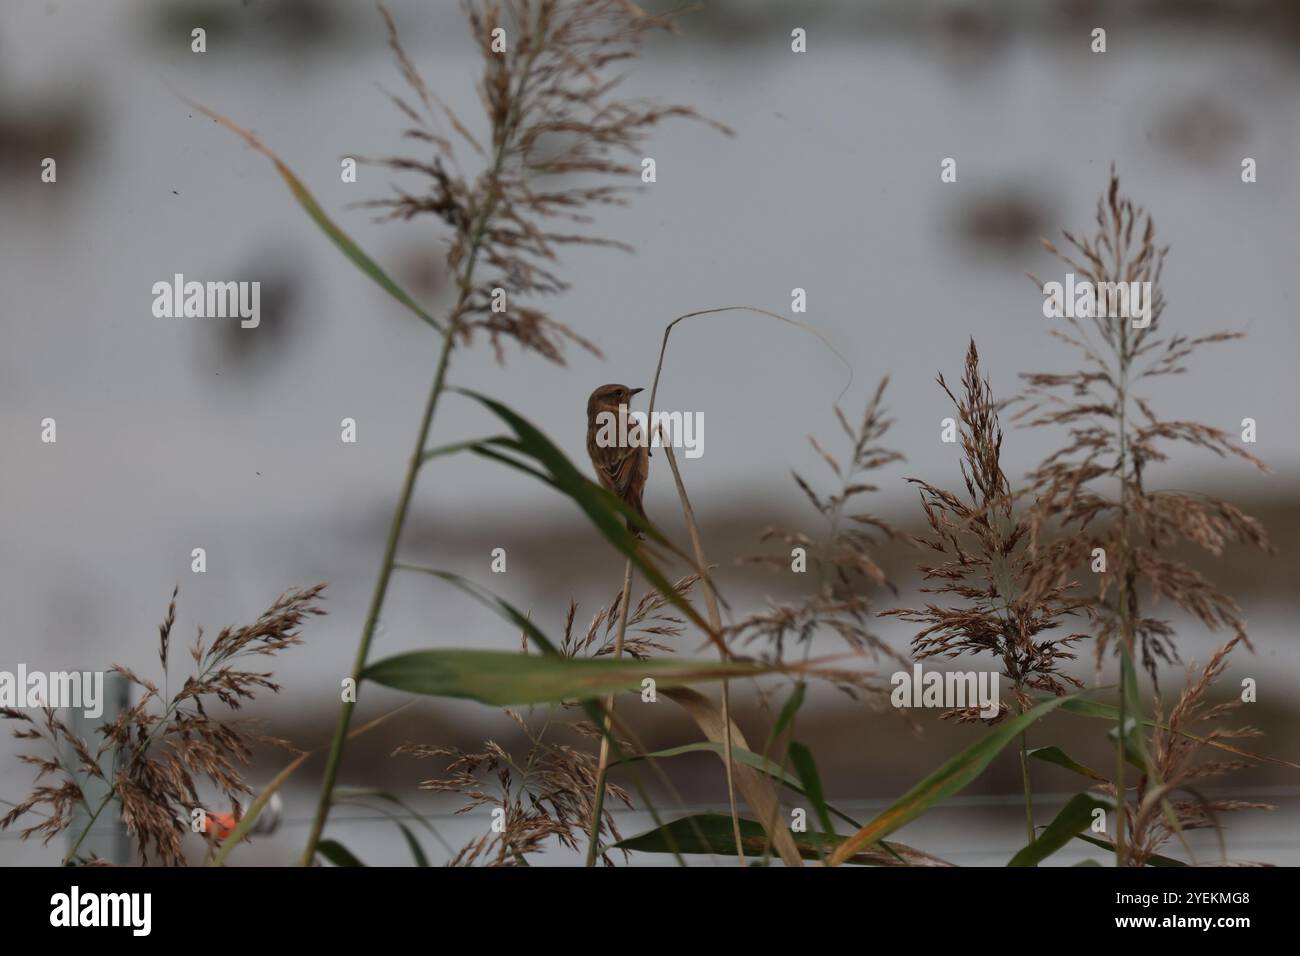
column 715, row 621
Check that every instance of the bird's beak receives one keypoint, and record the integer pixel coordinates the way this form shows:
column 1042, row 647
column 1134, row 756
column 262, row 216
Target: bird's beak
column 636, row 390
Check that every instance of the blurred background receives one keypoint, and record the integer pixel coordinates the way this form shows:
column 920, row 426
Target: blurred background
column 182, row 433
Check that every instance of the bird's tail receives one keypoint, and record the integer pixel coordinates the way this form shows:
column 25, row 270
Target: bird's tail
column 631, row 526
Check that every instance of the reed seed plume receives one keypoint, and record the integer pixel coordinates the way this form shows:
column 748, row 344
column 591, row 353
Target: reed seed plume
column 649, row 622
column 1094, row 490
column 981, row 539
column 561, row 141
column 1178, row 769
column 161, row 746
column 547, row 796
column 841, row 559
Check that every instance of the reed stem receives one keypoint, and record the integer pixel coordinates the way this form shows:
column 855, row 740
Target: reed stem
column 1029, row 799
column 602, row 770
column 377, row 599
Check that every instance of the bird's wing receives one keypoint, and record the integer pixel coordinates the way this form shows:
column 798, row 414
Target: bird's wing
column 620, row 471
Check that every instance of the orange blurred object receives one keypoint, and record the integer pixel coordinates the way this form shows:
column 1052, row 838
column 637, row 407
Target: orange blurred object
column 220, row 824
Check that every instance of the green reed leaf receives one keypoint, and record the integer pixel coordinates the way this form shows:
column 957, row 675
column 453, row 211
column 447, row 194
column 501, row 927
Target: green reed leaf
column 749, row 759
column 801, row 759
column 1055, row 755
column 507, row 678
column 337, row 853
column 1153, row 860
column 951, row 777
column 1075, row 816
column 712, row 833
column 788, row 711
column 417, row 851
column 313, row 209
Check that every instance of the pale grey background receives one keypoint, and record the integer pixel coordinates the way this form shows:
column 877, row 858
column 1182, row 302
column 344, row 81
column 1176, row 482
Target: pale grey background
column 181, row 433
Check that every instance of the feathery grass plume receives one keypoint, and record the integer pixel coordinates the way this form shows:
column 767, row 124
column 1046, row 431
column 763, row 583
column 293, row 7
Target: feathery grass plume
column 1174, row 755
column 841, row 558
column 982, row 539
column 160, row 746
column 648, row 621
column 561, row 141
column 550, row 796
column 56, row 803
column 1093, row 490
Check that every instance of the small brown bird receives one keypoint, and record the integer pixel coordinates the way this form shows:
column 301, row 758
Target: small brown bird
column 619, row 452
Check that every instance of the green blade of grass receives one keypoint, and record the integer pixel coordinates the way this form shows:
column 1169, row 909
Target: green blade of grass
column 359, row 796
column 308, row 202
column 417, row 851
column 1055, row 755
column 452, row 449
column 1074, row 817
column 788, row 710
column 489, row 600
column 951, row 777
column 741, row 756
column 507, row 678
column 1132, row 756
column 337, row 853
column 1134, row 743
column 1153, row 860
column 801, row 759
column 365, row 793
column 712, row 833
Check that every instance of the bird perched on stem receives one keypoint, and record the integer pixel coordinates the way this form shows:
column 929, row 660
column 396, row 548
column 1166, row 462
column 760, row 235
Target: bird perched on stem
column 618, row 446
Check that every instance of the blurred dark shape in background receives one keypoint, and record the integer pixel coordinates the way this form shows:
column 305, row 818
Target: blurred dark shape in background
column 1006, row 222
column 986, row 23
column 971, row 35
column 301, row 28
column 242, row 356
column 422, row 270
column 34, row 129
column 1201, row 129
